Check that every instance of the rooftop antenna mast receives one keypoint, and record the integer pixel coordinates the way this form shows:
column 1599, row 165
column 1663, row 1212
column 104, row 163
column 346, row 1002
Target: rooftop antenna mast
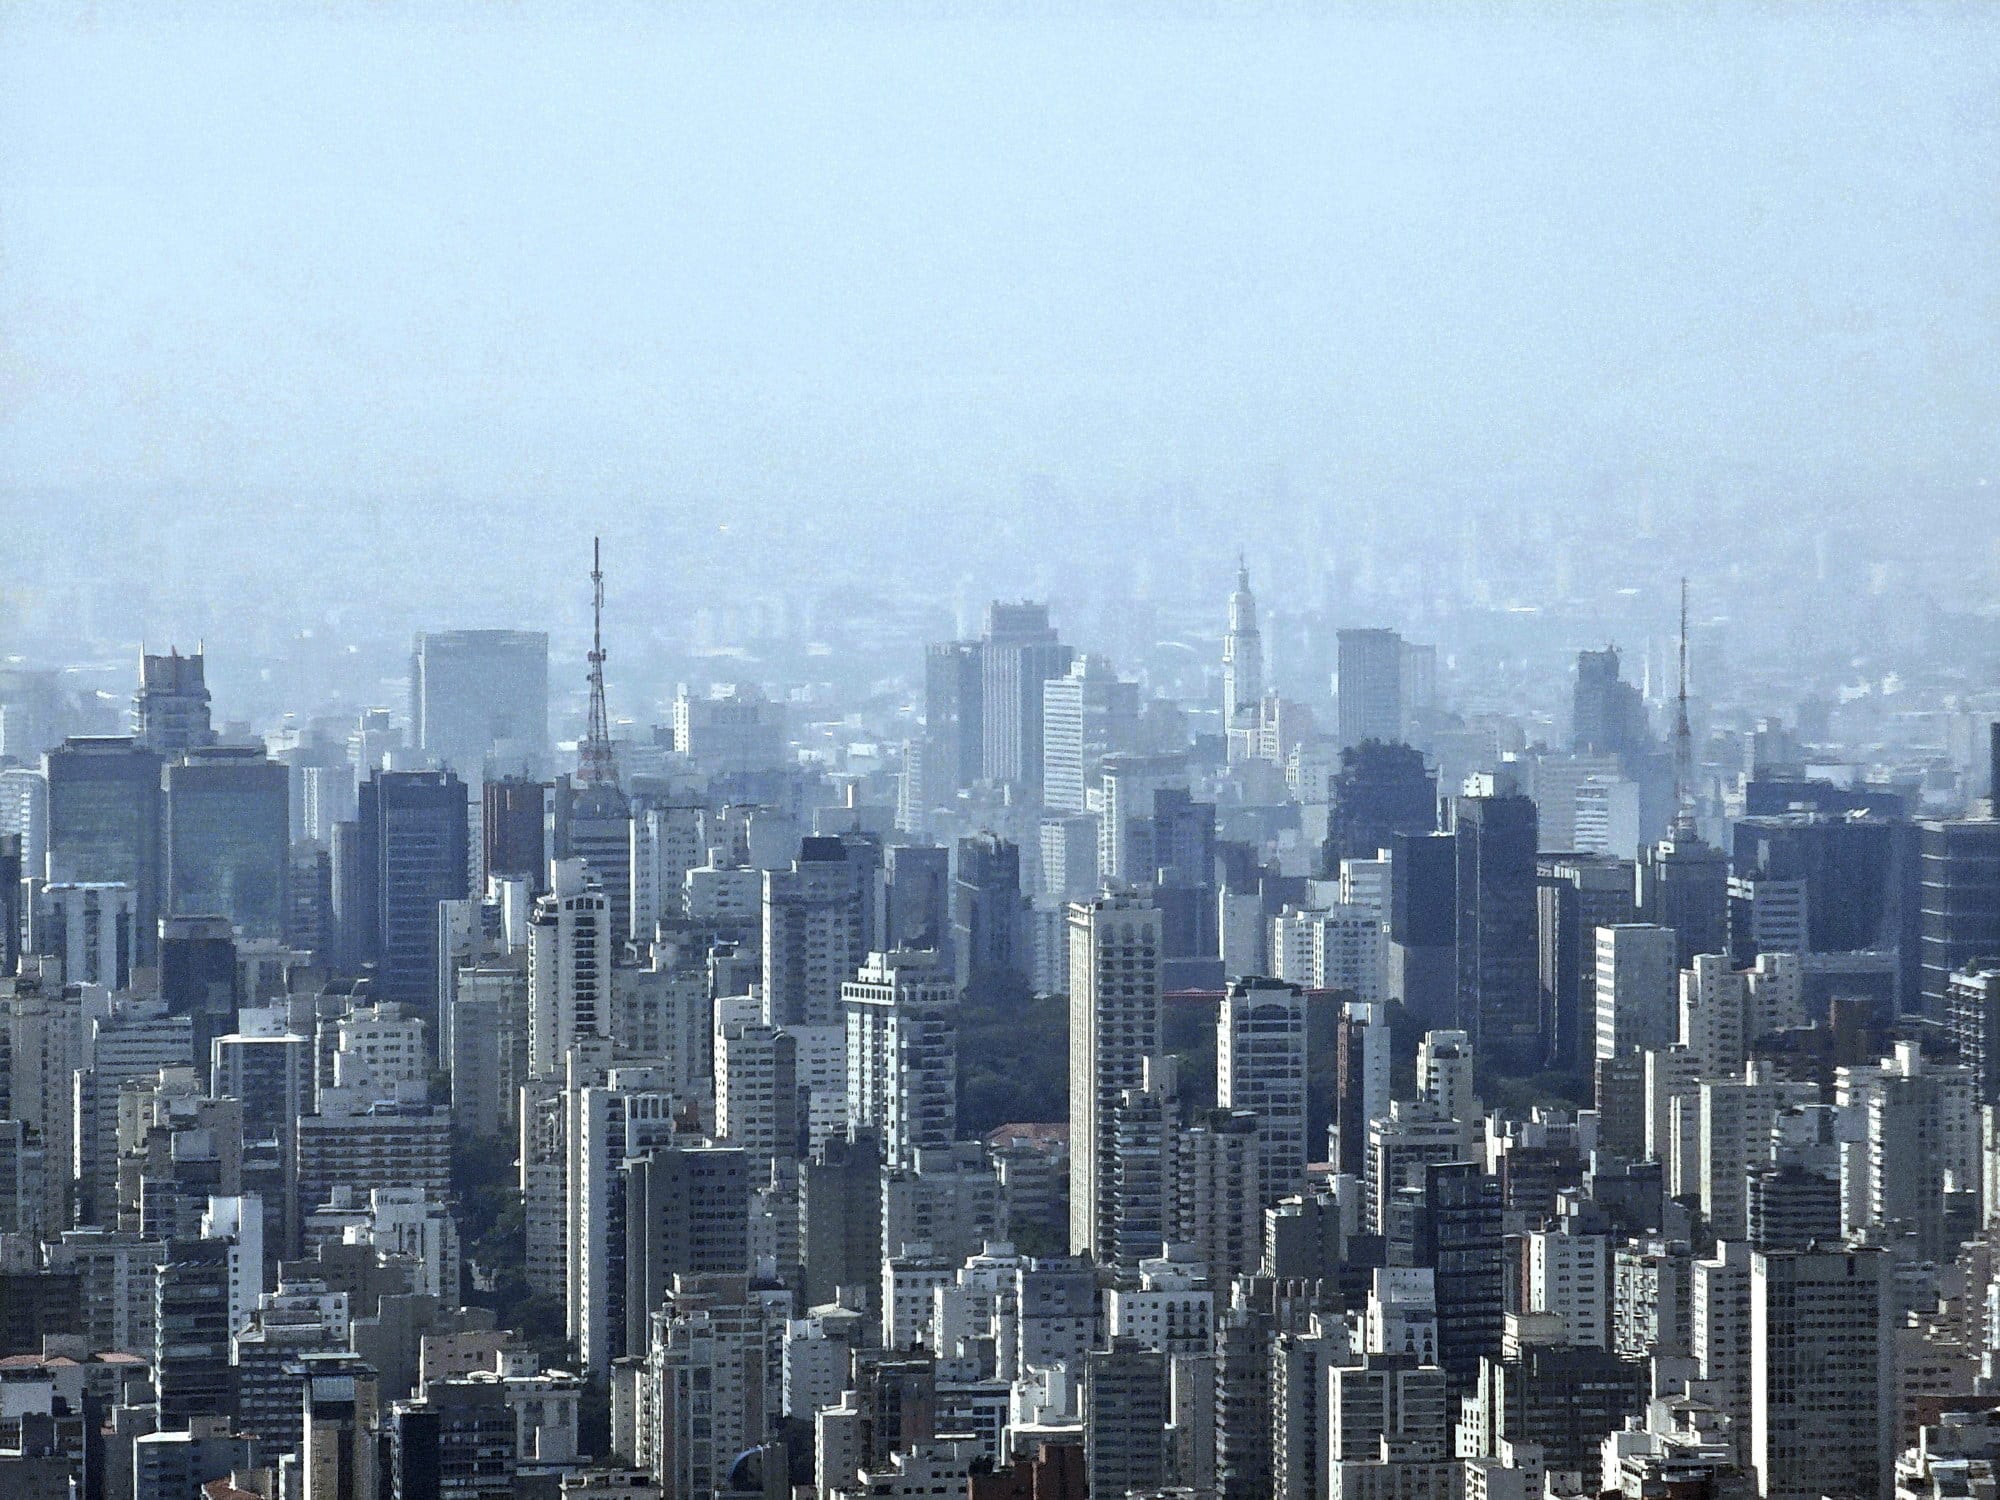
column 1684, row 828
column 597, row 765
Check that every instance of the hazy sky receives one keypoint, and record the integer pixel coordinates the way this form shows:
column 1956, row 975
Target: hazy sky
column 751, row 262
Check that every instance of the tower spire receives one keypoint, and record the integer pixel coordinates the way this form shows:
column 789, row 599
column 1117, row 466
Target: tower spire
column 597, row 764
column 1684, row 827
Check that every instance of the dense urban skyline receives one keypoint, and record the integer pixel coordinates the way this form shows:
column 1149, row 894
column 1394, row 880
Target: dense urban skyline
column 948, row 753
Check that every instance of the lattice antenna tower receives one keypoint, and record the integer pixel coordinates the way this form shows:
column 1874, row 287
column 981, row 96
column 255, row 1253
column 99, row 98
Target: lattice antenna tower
column 598, row 763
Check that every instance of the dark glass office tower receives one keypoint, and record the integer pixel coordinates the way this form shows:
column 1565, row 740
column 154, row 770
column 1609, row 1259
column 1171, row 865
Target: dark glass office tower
column 989, row 914
column 198, row 979
column 1423, row 926
column 1959, row 871
column 1381, row 790
column 1575, row 894
column 1499, row 989
column 1684, row 884
column 515, row 829
column 228, row 844
column 411, row 848
column 104, row 823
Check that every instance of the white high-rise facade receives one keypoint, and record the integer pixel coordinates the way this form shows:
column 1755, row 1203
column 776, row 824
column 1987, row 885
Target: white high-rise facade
column 668, row 840
column 902, row 1053
column 1260, row 1066
column 569, row 966
column 1087, row 714
column 1114, row 1033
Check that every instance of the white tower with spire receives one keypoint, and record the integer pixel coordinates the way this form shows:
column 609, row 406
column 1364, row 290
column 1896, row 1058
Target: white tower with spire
column 1242, row 651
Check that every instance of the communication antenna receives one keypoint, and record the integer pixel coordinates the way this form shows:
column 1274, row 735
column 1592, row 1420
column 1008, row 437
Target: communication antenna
column 597, row 765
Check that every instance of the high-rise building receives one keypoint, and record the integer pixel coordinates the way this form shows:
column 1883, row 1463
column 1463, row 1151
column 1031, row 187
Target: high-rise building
column 24, row 813
column 1499, row 991
column 1684, row 884
column 902, row 1053
column 1125, row 1416
column 199, row 980
column 668, row 840
column 989, row 912
column 104, row 823
column 1242, row 652
column 1972, row 1016
column 1574, row 896
column 598, row 831
column 10, row 903
column 1822, row 1392
column 687, row 1213
column 479, row 701
column 917, row 898
column 569, row 967
column 228, row 838
column 410, row 853
column 513, row 830
column 1087, row 714
column 1131, row 788
column 1636, row 988
column 170, row 710
column 1423, row 926
column 1382, row 789
column 814, row 933
column 1114, row 1042
column 1361, row 1082
column 1020, row 652
column 1960, row 892
column 1607, row 715
column 1370, row 686
column 1260, row 1066
column 954, row 731
column 92, row 926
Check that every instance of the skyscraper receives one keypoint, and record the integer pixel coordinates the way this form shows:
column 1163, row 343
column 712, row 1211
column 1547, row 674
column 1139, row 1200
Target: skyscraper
column 410, row 854
column 989, row 915
column 104, row 823
column 1019, row 653
column 1607, row 715
column 1382, row 789
column 1114, row 1033
column 170, row 710
column 1499, row 1001
column 1087, row 714
column 1371, row 686
column 814, row 937
column 954, row 730
column 1822, row 1385
column 1423, row 925
column 1684, row 884
column 1636, row 988
column 1960, row 891
column 1260, row 1066
column 479, row 701
column 569, row 967
column 1242, row 652
column 228, row 838
column 1574, row 896
column 902, row 1053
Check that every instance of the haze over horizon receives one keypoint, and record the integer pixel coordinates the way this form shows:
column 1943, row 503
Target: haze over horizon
column 809, row 273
